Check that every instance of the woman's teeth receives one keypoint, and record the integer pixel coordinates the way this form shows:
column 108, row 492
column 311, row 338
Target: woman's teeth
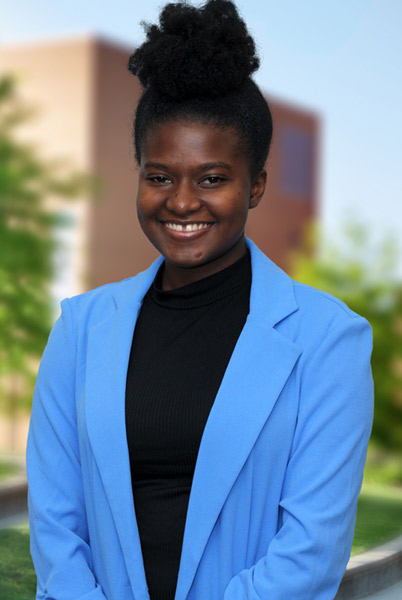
column 188, row 227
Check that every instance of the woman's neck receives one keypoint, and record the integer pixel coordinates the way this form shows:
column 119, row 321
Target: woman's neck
column 175, row 277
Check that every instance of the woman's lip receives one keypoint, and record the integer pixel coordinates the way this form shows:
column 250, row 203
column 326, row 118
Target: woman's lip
column 188, row 226
column 183, row 231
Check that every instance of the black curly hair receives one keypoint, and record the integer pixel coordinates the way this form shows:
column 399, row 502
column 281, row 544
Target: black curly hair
column 197, row 66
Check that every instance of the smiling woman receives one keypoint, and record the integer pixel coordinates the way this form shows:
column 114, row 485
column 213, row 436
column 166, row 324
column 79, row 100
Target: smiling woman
column 199, row 430
column 195, row 190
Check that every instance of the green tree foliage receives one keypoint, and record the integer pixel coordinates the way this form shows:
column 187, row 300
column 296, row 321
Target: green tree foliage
column 26, row 248
column 363, row 276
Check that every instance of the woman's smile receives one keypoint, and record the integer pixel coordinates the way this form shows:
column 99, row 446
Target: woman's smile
column 186, row 228
column 195, row 190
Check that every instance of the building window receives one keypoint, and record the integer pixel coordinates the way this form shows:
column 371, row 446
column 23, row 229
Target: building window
column 296, row 162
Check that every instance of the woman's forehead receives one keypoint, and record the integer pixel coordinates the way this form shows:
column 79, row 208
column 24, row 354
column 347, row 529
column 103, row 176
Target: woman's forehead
column 191, row 140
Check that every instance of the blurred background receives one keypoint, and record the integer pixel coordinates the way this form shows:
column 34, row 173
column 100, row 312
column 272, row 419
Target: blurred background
column 332, row 215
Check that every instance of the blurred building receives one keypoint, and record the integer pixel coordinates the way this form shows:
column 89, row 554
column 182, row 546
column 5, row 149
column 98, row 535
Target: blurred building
column 85, row 100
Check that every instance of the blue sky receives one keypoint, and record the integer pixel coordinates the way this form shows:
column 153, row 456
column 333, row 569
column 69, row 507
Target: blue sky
column 341, row 59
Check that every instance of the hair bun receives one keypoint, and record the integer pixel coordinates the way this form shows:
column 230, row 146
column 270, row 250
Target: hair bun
column 195, row 52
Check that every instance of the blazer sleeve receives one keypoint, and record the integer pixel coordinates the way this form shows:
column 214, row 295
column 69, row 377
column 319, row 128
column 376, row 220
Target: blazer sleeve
column 307, row 557
column 59, row 535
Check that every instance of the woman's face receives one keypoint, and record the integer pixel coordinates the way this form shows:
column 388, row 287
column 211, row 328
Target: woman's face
column 194, row 194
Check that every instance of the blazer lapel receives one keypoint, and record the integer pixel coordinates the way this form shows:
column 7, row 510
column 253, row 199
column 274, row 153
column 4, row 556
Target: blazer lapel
column 109, row 344
column 258, row 369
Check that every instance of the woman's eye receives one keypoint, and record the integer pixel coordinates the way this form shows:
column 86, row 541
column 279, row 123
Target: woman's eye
column 158, row 179
column 212, row 179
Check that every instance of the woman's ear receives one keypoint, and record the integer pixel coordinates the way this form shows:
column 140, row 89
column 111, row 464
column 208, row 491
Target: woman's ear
column 258, row 189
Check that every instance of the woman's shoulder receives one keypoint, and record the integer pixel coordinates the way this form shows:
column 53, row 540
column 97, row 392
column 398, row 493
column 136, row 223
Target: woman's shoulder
column 102, row 292
column 320, row 303
column 322, row 320
column 303, row 302
column 97, row 303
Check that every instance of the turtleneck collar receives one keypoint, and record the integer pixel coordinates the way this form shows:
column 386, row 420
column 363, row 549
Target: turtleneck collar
column 204, row 291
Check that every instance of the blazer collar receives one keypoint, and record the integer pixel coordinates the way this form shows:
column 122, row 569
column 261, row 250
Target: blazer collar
column 260, row 349
column 242, row 406
column 271, row 296
column 133, row 290
column 108, row 351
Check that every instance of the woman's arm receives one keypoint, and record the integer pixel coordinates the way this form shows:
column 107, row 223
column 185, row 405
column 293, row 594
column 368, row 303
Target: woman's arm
column 59, row 536
column 308, row 556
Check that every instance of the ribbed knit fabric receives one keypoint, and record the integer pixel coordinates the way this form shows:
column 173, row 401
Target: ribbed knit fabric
column 182, row 344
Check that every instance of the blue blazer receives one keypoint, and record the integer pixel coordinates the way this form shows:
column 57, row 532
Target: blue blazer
column 273, row 502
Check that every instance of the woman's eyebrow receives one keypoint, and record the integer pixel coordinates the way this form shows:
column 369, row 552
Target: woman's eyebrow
column 214, row 165
column 204, row 167
column 155, row 165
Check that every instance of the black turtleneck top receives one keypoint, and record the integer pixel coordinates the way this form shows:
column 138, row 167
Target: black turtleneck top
column 182, row 343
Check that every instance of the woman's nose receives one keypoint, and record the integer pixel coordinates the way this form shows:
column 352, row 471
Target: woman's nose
column 183, row 199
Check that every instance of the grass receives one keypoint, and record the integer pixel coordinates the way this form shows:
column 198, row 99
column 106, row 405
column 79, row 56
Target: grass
column 379, row 516
column 379, row 519
column 383, row 466
column 17, row 577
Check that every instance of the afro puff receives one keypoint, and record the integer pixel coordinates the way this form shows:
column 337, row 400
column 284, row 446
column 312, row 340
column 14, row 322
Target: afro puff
column 196, row 52
column 197, row 65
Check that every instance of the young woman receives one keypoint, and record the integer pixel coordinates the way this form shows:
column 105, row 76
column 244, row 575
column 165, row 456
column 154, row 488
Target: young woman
column 199, row 431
